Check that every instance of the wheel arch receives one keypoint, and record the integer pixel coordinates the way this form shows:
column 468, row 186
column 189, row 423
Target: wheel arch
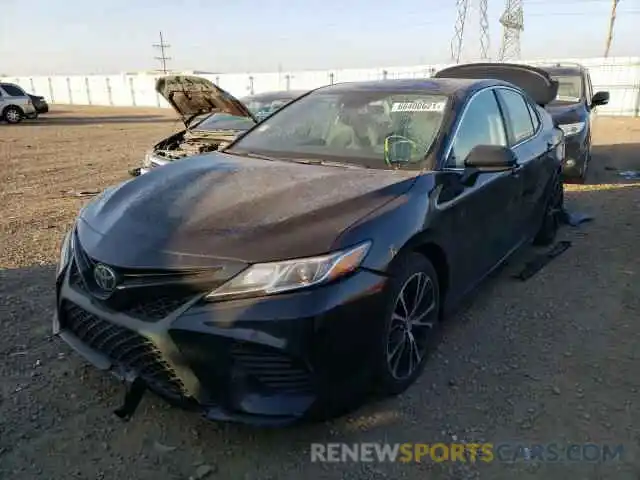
column 12, row 105
column 438, row 258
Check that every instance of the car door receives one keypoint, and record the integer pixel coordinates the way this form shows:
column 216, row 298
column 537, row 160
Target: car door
column 523, row 129
column 480, row 213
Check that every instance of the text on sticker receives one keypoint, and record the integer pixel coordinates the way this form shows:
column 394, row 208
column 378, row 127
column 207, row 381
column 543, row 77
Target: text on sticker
column 418, row 106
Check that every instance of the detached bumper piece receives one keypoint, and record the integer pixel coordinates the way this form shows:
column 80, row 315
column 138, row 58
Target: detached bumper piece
column 538, row 263
column 131, row 356
column 132, row 399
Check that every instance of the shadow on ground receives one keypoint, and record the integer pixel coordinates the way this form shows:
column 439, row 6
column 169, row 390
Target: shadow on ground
column 608, row 161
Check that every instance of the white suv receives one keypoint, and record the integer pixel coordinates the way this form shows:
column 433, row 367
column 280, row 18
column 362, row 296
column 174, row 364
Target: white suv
column 15, row 104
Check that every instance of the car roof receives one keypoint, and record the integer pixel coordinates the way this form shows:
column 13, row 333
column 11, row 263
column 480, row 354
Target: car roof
column 436, row 86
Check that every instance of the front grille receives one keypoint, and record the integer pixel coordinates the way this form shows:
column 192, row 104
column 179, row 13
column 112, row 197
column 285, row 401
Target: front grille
column 123, row 347
column 148, row 308
column 155, row 309
column 271, row 368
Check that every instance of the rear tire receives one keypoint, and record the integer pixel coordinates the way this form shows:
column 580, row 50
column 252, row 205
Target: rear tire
column 554, row 209
column 405, row 331
column 12, row 115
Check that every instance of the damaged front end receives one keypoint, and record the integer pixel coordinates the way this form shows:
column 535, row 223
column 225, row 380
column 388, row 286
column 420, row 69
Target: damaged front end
column 185, row 144
column 212, row 117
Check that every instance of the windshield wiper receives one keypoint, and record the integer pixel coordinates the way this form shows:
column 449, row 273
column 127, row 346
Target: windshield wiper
column 252, row 155
column 325, row 163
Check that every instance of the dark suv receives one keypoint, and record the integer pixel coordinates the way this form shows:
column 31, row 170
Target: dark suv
column 571, row 110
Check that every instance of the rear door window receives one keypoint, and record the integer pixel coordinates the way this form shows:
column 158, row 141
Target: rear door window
column 518, row 115
column 534, row 116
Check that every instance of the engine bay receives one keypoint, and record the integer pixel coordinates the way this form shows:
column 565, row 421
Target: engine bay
column 192, row 143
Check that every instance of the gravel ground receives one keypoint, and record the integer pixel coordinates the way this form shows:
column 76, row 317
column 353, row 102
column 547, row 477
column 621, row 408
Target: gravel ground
column 553, row 359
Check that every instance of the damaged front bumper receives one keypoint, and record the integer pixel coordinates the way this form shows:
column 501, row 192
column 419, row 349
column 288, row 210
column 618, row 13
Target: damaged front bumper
column 267, row 362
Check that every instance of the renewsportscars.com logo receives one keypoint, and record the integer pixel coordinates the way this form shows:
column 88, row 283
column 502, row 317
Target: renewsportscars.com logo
column 464, row 452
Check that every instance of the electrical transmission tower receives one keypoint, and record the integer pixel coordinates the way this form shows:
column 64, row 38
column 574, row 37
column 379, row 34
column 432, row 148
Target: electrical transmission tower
column 163, row 58
column 612, row 21
column 456, row 43
column 484, row 31
column 458, row 35
column 512, row 21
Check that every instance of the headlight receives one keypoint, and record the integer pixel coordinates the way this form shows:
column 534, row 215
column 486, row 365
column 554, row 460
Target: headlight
column 276, row 277
column 65, row 254
column 570, row 129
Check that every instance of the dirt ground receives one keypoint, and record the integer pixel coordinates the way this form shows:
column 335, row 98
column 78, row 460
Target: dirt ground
column 551, row 360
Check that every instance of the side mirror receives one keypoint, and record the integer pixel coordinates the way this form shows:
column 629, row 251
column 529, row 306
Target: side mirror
column 491, row 157
column 600, row 98
column 487, row 158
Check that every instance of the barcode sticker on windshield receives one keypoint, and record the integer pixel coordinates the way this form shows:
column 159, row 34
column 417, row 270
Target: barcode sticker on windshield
column 418, row 106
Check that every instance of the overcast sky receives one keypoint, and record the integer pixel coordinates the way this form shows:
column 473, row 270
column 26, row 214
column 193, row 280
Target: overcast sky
column 87, row 36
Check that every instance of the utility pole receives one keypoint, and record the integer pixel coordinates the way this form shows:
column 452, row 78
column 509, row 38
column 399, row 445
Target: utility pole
column 612, row 21
column 484, row 31
column 163, row 58
column 456, row 43
column 512, row 21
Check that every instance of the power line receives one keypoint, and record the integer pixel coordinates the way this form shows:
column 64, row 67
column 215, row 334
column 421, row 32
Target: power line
column 581, row 14
column 163, row 58
column 564, row 2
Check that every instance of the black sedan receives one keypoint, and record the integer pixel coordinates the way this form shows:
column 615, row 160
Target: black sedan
column 287, row 276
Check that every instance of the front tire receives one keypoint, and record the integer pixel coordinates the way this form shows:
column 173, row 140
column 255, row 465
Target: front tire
column 12, row 115
column 413, row 307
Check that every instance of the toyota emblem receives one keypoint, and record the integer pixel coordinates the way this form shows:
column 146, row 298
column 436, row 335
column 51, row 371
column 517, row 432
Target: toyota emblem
column 105, row 277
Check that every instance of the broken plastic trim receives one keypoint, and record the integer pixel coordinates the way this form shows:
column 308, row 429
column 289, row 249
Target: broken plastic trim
column 574, row 218
column 132, row 398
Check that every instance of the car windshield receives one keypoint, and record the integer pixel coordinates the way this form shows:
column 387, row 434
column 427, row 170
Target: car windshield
column 262, row 108
column 374, row 129
column 569, row 88
column 223, row 121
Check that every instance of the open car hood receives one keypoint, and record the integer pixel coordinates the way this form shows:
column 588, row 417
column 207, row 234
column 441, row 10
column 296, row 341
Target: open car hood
column 536, row 82
column 191, row 96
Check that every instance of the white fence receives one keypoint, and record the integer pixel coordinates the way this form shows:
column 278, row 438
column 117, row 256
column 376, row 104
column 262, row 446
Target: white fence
column 620, row 76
